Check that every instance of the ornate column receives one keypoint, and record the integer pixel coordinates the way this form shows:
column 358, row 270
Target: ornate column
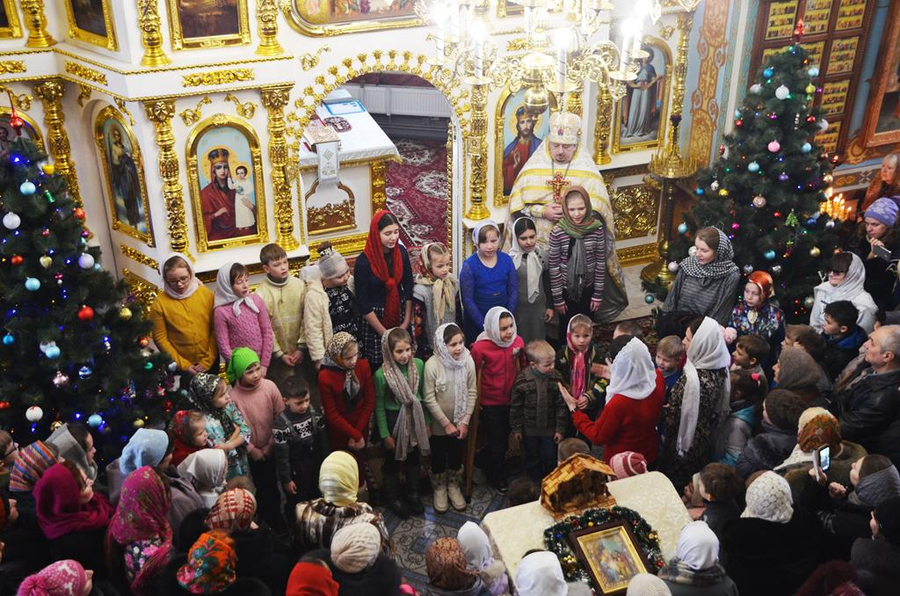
column 36, row 23
column 379, row 195
column 267, row 15
column 151, row 34
column 602, row 126
column 685, row 22
column 274, row 99
column 160, row 113
column 476, row 149
column 51, row 92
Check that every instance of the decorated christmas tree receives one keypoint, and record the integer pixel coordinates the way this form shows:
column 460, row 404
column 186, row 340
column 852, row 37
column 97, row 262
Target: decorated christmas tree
column 74, row 342
column 766, row 188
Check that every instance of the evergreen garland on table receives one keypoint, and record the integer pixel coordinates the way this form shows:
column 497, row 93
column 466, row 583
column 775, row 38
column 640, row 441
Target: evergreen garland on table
column 556, row 539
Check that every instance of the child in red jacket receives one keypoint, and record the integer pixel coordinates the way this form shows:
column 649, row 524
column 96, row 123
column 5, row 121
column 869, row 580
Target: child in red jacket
column 348, row 396
column 634, row 401
column 498, row 353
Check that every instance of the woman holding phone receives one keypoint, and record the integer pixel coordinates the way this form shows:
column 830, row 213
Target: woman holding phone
column 878, row 248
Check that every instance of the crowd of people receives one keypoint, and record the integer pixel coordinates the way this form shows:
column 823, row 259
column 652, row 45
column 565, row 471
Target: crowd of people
column 342, row 389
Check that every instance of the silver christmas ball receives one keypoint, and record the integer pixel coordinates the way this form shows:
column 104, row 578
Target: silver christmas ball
column 672, row 267
column 748, row 269
column 776, row 269
column 808, row 302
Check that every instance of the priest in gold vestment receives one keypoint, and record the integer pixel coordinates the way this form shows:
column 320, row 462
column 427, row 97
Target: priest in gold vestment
column 559, row 162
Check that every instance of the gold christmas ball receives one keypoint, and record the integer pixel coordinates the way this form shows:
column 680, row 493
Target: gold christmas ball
column 48, row 169
column 723, row 192
column 828, row 178
column 814, row 252
column 138, row 423
column 810, row 89
column 125, row 313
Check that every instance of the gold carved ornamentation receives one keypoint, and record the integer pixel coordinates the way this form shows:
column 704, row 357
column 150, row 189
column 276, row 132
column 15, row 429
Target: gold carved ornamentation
column 96, row 38
column 139, row 257
column 635, row 170
column 142, row 289
column 310, row 61
column 120, row 103
column 347, row 245
column 666, row 31
column 331, row 217
column 516, row 45
column 704, row 106
column 244, row 110
column 88, row 74
column 51, row 92
column 574, row 103
column 602, row 127
column 36, row 22
column 12, row 28
column 151, row 34
column 451, row 135
column 267, row 16
column 12, row 66
column 239, row 37
column 635, row 255
column 476, row 148
column 160, row 113
column 377, row 175
column 274, row 99
column 21, row 102
column 217, row 77
column 84, row 95
column 636, row 211
column 191, row 116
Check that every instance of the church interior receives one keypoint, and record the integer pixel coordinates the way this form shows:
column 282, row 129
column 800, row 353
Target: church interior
column 325, row 112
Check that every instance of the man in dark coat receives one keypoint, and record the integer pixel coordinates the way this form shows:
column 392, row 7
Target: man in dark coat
column 869, row 407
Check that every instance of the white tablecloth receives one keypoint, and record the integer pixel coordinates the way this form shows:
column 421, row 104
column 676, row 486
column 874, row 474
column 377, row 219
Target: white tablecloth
column 516, row 530
column 366, row 141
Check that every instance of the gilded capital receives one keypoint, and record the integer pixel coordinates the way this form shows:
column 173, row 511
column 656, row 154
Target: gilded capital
column 52, row 90
column 276, row 98
column 36, row 22
column 160, row 111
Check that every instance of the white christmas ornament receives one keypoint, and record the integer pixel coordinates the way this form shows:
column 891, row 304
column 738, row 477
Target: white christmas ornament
column 11, row 221
column 34, row 414
column 755, row 88
column 823, row 124
column 85, row 261
column 692, row 250
column 782, row 92
column 673, row 266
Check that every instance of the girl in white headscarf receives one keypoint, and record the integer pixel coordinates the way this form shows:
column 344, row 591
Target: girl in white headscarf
column 241, row 318
column 480, row 558
column 846, row 281
column 695, row 570
column 533, row 278
column 182, row 317
column 698, row 401
column 634, row 399
column 206, row 470
column 539, row 574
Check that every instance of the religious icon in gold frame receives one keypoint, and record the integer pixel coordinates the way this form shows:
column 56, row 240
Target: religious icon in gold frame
column 91, row 21
column 519, row 134
column 123, row 175
column 8, row 135
column 9, row 20
column 882, row 123
column 611, row 554
column 226, row 184
column 206, row 24
column 331, row 17
column 640, row 116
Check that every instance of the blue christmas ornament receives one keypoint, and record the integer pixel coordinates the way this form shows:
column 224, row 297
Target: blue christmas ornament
column 699, row 191
column 85, row 372
column 95, row 420
column 752, row 167
column 770, row 255
column 813, row 71
column 737, row 114
column 27, row 188
column 32, row 284
column 8, row 340
column 682, row 228
column 768, row 72
column 52, row 353
column 649, row 298
column 806, row 148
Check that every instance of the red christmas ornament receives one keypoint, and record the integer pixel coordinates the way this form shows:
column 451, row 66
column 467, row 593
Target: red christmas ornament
column 722, row 149
column 777, row 214
column 45, row 232
column 810, row 119
column 5, row 405
column 16, row 259
column 799, row 30
column 85, row 314
column 14, row 120
column 739, row 122
column 168, row 405
column 144, row 342
column 78, row 212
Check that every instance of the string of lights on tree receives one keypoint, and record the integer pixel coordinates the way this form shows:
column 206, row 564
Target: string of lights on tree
column 75, row 343
column 766, row 187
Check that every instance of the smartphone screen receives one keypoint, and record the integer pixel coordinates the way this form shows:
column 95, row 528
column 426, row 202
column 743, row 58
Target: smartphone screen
column 825, row 458
column 882, row 253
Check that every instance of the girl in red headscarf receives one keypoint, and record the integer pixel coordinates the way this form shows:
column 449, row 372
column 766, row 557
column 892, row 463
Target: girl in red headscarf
column 756, row 315
column 384, row 284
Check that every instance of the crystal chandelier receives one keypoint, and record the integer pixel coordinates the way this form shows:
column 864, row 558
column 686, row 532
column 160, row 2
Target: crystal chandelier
column 563, row 43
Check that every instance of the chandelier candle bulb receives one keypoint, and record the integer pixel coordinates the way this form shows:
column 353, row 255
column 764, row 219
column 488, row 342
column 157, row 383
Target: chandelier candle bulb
column 440, row 17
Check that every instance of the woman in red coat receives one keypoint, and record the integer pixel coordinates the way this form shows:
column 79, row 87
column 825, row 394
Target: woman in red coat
column 348, row 395
column 634, row 400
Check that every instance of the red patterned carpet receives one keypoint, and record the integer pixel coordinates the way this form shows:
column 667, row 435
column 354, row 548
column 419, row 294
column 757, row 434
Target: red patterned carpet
column 417, row 192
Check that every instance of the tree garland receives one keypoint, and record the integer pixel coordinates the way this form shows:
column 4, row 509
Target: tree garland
column 555, row 539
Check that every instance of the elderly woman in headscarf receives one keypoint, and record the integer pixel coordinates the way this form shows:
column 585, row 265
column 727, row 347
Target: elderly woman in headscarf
column 695, row 570
column 797, row 371
column 347, row 390
column 147, row 447
column 480, row 558
column 140, row 537
column 634, row 400
column 447, row 571
column 699, row 401
column 357, row 563
column 706, row 283
column 773, row 547
column 318, row 520
column 206, row 471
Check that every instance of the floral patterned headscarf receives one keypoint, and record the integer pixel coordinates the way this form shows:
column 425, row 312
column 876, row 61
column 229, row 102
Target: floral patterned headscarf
column 334, row 358
column 203, row 390
column 211, row 564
